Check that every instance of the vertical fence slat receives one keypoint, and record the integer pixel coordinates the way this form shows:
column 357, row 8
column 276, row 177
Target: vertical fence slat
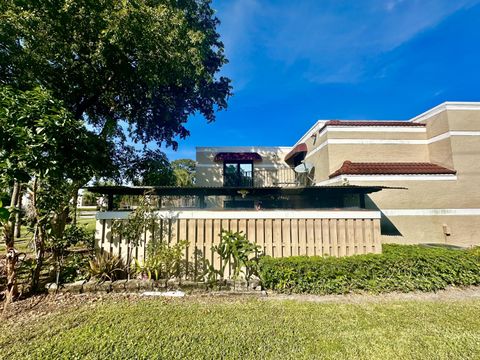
column 242, row 226
column 290, row 236
column 358, row 236
column 377, row 236
column 198, row 247
column 333, row 236
column 268, row 241
column 327, row 246
column 277, row 238
column 341, row 236
column 182, row 229
column 207, row 248
column 251, row 231
column 350, row 237
column 310, row 238
column 190, row 237
column 318, row 237
column 217, row 228
column 368, row 235
column 302, row 238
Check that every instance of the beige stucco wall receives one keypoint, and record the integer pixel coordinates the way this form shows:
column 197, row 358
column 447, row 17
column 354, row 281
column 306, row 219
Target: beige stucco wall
column 442, row 145
column 457, row 152
column 319, row 159
column 210, row 173
column 429, row 229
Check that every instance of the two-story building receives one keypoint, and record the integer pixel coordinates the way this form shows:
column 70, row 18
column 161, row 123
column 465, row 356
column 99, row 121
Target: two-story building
column 430, row 164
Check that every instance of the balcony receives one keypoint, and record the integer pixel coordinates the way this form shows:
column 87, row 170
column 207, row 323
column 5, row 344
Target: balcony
column 265, row 178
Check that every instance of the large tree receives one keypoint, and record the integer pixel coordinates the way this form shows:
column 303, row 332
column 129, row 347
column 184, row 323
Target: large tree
column 133, row 69
column 149, row 63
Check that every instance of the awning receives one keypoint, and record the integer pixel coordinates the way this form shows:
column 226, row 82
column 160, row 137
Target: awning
column 238, row 156
column 300, row 149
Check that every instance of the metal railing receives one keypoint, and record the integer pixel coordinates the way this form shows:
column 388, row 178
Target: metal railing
column 265, row 178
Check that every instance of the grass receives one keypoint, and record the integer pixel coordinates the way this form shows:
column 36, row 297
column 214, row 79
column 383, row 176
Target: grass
column 24, row 243
column 89, row 223
column 249, row 329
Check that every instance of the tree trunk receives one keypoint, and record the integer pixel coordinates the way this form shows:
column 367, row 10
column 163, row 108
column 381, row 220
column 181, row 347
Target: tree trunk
column 12, row 255
column 39, row 240
column 18, row 218
column 75, row 201
column 39, row 255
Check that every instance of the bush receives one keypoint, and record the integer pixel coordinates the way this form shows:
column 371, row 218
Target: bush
column 107, row 267
column 163, row 261
column 399, row 268
column 75, row 267
column 236, row 252
column 79, row 235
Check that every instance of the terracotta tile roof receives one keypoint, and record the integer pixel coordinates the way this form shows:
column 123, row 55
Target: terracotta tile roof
column 370, row 123
column 377, row 168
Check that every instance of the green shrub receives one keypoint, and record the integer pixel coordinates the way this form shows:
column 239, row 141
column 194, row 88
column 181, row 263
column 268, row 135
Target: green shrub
column 107, row 267
column 236, row 252
column 399, row 268
column 79, row 235
column 75, row 267
column 163, row 261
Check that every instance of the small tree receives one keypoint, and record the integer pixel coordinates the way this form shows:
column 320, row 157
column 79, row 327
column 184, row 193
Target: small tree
column 163, row 261
column 41, row 145
column 237, row 252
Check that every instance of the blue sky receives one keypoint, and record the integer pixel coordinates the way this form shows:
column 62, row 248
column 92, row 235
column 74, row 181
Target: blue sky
column 294, row 62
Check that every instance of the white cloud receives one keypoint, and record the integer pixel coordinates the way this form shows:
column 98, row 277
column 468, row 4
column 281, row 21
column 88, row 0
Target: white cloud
column 332, row 40
column 238, row 24
column 391, row 5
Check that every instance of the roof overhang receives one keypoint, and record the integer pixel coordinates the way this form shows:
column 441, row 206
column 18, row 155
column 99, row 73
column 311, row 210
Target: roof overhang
column 233, row 191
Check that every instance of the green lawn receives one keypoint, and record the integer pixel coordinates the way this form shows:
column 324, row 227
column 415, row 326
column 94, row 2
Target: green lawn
column 249, row 329
column 89, row 223
column 24, row 243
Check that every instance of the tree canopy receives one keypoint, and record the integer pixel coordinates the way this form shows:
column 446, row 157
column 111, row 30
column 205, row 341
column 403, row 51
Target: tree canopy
column 151, row 169
column 150, row 63
column 40, row 139
column 184, row 171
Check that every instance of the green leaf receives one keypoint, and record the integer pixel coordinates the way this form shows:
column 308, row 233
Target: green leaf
column 4, row 214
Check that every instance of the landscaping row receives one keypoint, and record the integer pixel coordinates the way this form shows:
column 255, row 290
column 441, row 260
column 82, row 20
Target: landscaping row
column 399, row 268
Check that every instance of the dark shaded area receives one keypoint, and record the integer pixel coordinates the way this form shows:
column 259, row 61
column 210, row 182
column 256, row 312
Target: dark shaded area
column 386, row 225
column 244, row 197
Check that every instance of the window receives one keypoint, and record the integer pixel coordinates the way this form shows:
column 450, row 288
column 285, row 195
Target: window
column 238, row 173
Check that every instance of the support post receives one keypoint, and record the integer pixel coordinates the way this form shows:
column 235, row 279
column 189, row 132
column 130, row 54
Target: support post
column 110, row 202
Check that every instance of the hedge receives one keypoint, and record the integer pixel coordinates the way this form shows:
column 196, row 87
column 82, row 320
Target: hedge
column 400, row 268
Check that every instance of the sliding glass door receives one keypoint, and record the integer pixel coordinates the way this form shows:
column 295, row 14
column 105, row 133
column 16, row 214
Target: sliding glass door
column 238, row 173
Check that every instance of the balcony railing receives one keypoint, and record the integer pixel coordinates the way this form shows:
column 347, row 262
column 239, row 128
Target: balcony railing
column 265, row 178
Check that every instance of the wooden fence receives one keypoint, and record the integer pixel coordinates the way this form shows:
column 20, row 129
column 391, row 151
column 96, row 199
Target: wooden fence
column 278, row 233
